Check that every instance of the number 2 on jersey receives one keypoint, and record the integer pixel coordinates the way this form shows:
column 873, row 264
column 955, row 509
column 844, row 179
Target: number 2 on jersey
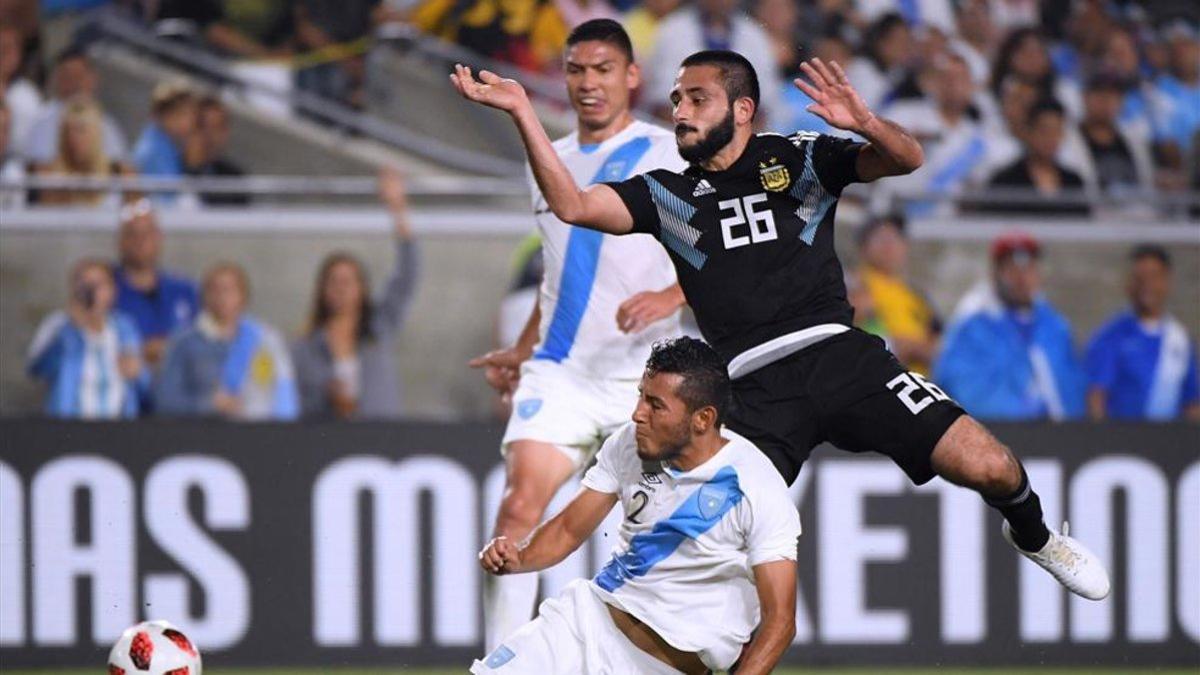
column 761, row 223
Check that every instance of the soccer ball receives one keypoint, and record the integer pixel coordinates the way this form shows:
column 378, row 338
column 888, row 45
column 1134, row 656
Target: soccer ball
column 153, row 648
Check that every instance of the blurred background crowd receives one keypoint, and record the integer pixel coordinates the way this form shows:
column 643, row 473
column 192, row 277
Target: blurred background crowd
column 1025, row 109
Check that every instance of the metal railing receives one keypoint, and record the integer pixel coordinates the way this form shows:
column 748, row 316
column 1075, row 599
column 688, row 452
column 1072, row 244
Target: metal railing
column 112, row 25
column 313, row 186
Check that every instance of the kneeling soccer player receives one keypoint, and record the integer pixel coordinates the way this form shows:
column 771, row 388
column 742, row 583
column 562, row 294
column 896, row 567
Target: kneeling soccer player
column 704, row 574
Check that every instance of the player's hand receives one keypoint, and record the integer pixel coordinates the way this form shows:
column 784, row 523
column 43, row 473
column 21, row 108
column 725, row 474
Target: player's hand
column 501, row 368
column 834, row 99
column 490, row 89
column 500, row 556
column 646, row 307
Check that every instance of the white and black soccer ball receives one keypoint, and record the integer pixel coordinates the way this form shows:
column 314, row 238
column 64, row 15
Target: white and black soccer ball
column 154, row 648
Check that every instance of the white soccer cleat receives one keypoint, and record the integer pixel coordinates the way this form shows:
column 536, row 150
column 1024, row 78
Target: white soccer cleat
column 1070, row 562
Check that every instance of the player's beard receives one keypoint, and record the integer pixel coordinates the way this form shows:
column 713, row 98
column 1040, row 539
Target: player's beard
column 670, row 447
column 713, row 142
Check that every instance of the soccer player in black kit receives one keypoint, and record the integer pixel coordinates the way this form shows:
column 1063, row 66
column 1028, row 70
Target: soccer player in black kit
column 749, row 227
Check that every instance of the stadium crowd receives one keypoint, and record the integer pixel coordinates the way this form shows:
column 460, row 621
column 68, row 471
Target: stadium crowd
column 1089, row 95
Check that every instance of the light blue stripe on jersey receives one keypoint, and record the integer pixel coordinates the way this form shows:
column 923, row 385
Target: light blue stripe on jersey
column 814, row 199
column 583, row 254
column 695, row 516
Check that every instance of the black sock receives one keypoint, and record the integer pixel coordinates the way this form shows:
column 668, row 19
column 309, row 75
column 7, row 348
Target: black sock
column 1023, row 511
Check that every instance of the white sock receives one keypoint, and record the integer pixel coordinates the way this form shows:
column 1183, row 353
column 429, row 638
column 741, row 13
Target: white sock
column 508, row 603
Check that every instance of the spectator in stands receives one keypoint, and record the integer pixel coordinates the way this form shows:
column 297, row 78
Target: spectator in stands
column 917, row 14
column 228, row 364
column 12, row 168
column 781, row 20
column 1110, row 157
column 346, row 363
column 160, row 303
column 948, row 126
column 1011, row 355
column 80, row 154
column 73, row 77
column 1141, row 364
column 887, row 51
column 910, row 322
column 642, row 22
column 88, row 354
column 865, row 316
column 1024, row 56
column 161, row 146
column 1178, row 96
column 712, row 24
column 22, row 96
column 1038, row 169
column 1121, row 61
column 206, row 150
column 976, row 38
column 254, row 29
column 334, row 32
column 796, row 116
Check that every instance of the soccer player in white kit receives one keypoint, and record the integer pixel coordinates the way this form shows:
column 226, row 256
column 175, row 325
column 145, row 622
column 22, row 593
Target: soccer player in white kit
column 603, row 301
column 704, row 573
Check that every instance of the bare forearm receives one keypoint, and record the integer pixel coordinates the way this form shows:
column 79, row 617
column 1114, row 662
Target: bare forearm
column 768, row 645
column 562, row 195
column 547, row 546
column 892, row 150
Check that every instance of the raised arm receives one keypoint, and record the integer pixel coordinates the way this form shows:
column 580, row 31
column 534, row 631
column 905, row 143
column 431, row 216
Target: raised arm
column 553, row 540
column 890, row 151
column 596, row 208
column 776, row 584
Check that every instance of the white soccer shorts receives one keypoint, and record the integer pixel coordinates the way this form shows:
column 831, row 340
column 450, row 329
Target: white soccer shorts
column 573, row 412
column 572, row 635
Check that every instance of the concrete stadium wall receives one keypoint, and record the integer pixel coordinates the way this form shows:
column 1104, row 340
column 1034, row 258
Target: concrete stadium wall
column 464, row 278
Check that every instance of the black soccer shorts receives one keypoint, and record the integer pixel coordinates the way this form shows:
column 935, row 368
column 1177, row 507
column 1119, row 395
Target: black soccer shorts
column 848, row 390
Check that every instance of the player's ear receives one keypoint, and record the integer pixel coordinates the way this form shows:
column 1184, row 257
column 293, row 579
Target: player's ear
column 704, row 419
column 633, row 76
column 743, row 111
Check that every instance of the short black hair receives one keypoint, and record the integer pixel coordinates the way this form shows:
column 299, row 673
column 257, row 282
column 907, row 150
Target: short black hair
column 602, row 30
column 1046, row 104
column 1147, row 250
column 705, row 378
column 737, row 73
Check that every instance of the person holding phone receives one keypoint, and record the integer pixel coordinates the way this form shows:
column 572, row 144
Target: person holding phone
column 89, row 354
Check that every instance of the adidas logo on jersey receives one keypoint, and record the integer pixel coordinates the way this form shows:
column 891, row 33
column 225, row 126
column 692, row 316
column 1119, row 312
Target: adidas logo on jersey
column 703, row 188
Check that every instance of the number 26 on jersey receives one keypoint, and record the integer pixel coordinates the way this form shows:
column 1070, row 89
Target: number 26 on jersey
column 751, row 221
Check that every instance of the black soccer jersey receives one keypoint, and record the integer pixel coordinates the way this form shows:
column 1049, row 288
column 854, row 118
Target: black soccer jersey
column 753, row 244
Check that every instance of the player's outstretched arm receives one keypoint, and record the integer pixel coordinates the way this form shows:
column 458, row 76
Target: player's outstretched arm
column 597, row 208
column 776, row 585
column 553, row 540
column 891, row 151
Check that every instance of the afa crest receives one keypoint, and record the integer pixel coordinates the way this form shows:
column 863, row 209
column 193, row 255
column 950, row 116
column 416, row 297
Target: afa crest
column 775, row 176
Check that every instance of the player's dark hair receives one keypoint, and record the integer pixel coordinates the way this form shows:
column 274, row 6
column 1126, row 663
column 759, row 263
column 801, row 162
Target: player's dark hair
column 1150, row 251
column 1044, row 105
column 705, row 378
column 737, row 73
column 602, row 30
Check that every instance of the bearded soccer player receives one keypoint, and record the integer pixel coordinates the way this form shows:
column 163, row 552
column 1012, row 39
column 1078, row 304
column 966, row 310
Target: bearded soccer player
column 603, row 301
column 704, row 571
column 749, row 228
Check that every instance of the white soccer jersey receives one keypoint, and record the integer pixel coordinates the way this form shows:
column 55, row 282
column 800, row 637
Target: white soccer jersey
column 689, row 540
column 589, row 274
